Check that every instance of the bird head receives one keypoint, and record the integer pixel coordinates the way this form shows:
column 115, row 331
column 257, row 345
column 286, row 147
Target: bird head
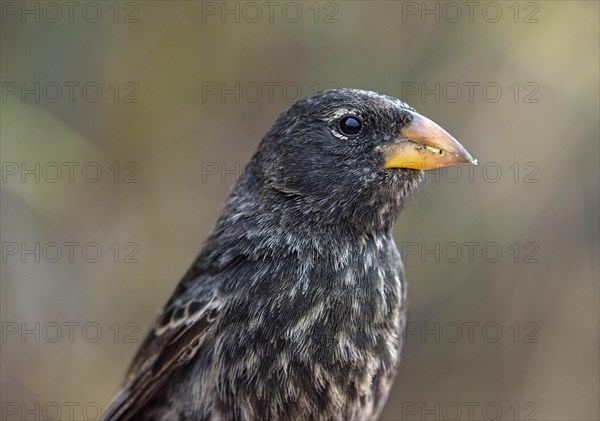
column 352, row 155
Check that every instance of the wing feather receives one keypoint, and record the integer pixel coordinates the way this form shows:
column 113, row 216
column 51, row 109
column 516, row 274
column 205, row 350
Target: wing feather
column 178, row 336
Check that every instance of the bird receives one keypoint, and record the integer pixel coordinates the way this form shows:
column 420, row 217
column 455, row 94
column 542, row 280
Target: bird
column 295, row 307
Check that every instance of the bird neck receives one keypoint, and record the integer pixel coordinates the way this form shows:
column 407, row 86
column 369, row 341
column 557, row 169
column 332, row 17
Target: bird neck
column 261, row 206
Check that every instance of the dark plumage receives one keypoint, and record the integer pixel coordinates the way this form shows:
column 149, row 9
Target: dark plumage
column 295, row 307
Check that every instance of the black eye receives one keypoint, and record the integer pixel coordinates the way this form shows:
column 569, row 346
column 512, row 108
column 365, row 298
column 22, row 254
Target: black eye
column 350, row 125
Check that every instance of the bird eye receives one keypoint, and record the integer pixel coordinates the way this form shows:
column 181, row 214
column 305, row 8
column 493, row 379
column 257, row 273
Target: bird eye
column 350, row 125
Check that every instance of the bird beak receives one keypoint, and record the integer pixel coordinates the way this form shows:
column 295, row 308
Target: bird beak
column 423, row 145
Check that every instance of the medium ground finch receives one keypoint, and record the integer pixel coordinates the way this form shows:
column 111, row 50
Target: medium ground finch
column 295, row 308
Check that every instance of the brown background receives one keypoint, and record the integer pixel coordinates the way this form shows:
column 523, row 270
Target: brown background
column 542, row 292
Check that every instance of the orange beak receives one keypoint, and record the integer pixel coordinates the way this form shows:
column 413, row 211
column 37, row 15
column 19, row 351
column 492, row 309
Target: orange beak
column 423, row 145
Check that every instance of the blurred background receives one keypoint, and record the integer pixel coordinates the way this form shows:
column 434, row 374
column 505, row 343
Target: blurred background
column 125, row 124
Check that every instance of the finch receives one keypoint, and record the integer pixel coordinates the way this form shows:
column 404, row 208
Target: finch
column 296, row 306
